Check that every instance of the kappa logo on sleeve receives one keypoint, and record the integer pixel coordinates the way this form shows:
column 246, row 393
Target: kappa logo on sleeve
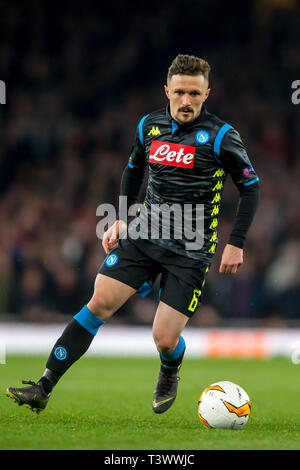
column 167, row 153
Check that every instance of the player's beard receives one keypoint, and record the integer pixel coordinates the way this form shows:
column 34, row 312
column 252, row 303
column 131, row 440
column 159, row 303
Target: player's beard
column 185, row 118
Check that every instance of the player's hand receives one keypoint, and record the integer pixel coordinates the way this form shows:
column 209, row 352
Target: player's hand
column 112, row 235
column 232, row 259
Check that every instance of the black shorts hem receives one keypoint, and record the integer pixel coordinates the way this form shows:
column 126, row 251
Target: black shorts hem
column 118, row 277
column 177, row 307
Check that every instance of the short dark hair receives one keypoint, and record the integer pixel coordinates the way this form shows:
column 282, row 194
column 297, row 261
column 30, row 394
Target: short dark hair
column 185, row 64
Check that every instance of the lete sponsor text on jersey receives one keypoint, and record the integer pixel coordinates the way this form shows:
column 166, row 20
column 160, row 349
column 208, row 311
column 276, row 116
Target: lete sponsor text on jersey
column 167, row 153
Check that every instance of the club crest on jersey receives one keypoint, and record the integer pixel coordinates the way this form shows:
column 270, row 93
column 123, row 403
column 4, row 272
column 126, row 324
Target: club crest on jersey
column 167, row 153
column 111, row 260
column 202, row 137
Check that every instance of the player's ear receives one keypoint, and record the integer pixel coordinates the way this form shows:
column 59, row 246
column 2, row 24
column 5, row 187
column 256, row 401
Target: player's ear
column 207, row 94
column 167, row 91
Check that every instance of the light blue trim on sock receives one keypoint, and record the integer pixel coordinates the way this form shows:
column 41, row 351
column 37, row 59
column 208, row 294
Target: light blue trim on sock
column 88, row 320
column 178, row 351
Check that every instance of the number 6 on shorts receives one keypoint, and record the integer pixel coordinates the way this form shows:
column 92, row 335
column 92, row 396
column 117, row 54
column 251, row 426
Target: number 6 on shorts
column 195, row 300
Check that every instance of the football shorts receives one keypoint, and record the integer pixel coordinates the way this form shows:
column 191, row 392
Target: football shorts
column 138, row 263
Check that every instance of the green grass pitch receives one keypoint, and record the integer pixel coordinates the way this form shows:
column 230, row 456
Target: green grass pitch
column 105, row 403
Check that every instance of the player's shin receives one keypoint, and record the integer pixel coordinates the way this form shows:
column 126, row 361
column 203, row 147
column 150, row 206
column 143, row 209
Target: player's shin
column 74, row 342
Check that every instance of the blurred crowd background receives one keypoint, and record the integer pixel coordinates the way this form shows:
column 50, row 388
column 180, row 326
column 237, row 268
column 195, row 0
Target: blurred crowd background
column 79, row 77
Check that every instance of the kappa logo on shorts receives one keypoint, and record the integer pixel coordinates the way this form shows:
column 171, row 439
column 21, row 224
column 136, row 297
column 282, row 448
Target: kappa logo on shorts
column 202, row 137
column 111, row 260
column 167, row 153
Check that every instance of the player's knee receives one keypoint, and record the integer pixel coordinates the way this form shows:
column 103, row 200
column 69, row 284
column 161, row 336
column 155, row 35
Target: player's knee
column 101, row 306
column 165, row 344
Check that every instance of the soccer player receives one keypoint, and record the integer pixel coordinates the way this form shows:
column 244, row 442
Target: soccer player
column 189, row 153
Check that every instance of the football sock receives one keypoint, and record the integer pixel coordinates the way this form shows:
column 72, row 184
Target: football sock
column 73, row 343
column 170, row 362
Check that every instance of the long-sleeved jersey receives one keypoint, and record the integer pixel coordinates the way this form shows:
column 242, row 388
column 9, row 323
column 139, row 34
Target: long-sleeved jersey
column 188, row 166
